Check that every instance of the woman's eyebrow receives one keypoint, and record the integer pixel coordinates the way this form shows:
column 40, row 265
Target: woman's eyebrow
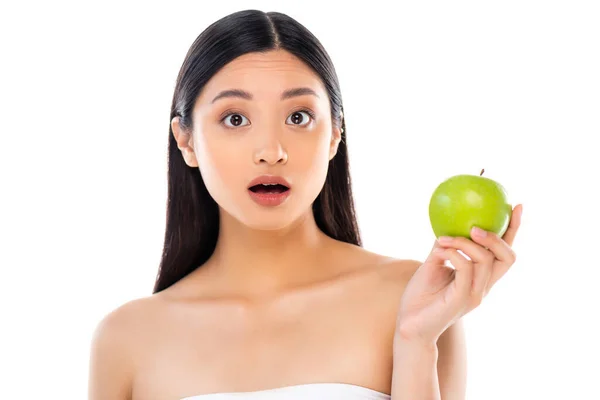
column 301, row 91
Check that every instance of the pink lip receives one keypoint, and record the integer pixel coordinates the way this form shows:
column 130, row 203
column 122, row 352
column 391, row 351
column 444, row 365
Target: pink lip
column 269, row 179
column 269, row 199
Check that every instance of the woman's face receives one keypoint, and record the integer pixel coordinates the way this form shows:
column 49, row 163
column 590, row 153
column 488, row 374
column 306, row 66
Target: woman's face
column 239, row 138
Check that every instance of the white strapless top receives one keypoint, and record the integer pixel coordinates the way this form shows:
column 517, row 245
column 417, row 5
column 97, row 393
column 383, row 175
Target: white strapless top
column 313, row 391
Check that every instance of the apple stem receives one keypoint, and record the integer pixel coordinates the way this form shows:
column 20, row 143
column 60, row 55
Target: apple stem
column 481, row 173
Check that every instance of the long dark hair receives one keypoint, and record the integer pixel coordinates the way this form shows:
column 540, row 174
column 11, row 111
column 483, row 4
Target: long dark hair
column 192, row 224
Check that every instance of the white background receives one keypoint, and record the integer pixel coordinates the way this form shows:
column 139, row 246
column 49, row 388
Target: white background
column 430, row 89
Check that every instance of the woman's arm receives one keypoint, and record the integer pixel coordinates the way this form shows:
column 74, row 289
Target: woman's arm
column 431, row 371
column 452, row 362
column 415, row 375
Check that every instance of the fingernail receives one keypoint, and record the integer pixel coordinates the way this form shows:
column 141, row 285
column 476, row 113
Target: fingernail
column 478, row 232
column 445, row 239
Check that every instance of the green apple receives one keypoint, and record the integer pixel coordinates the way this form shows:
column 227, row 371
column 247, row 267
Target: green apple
column 464, row 201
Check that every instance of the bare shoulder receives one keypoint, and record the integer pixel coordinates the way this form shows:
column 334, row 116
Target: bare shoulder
column 399, row 270
column 391, row 270
column 120, row 324
column 374, row 259
column 113, row 350
column 377, row 268
column 393, row 275
column 384, row 277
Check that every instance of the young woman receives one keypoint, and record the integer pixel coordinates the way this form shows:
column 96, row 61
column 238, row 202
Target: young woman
column 264, row 289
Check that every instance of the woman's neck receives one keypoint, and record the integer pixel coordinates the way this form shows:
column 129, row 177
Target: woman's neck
column 263, row 261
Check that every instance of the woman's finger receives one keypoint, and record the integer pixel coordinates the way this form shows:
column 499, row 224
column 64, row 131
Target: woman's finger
column 473, row 250
column 463, row 276
column 504, row 254
column 483, row 260
column 497, row 247
column 514, row 224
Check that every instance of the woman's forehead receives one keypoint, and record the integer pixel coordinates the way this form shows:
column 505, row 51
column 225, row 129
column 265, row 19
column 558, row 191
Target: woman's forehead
column 264, row 75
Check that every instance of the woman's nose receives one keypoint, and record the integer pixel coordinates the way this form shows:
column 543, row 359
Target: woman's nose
column 270, row 151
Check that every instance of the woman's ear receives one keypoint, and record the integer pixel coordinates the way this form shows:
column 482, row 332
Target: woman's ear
column 185, row 143
column 336, row 137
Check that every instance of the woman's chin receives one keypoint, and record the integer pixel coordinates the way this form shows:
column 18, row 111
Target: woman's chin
column 274, row 220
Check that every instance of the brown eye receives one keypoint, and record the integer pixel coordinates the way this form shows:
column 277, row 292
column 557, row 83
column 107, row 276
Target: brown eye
column 301, row 118
column 234, row 119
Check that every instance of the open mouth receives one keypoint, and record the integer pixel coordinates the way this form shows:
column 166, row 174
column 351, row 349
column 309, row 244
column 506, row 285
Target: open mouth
column 269, row 188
